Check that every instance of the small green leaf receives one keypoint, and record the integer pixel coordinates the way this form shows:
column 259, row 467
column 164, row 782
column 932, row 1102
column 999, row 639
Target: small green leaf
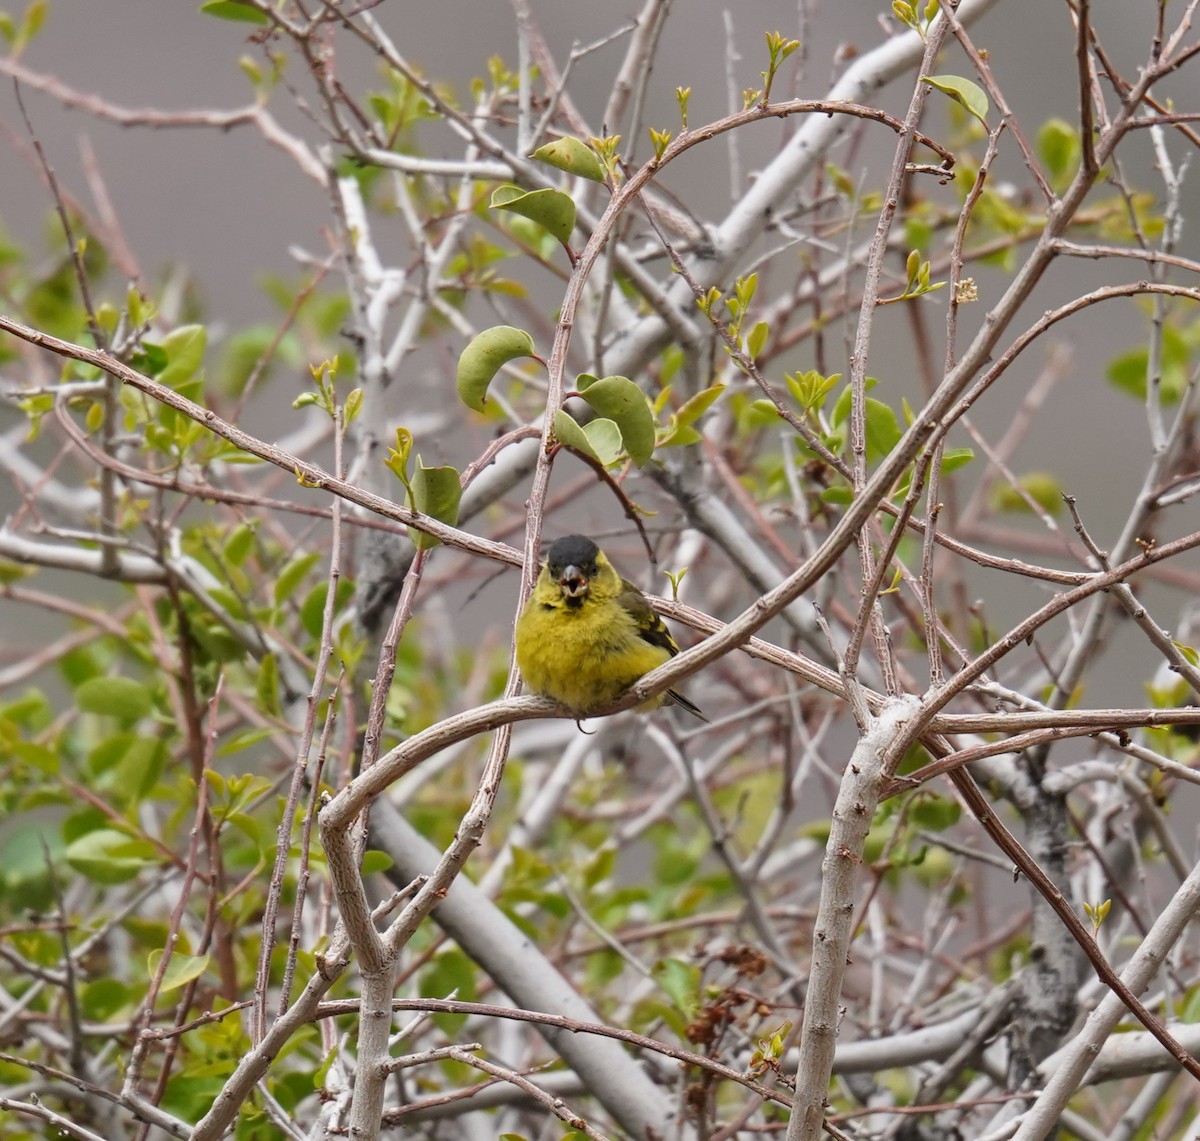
column 551, row 209
column 972, row 97
column 240, row 543
column 436, row 492
column 695, row 407
column 934, row 813
column 1128, row 372
column 292, row 575
column 184, row 348
column 31, row 23
column 810, row 388
column 1189, row 1009
column 680, row 436
column 605, row 438
column 568, row 433
column 883, row 432
column 1039, row 486
column 312, row 609
column 233, row 10
column 599, row 867
column 619, row 399
column 954, row 458
column 266, row 685
column 1060, row 149
column 571, row 155
column 757, row 339
column 108, row 856
column 374, row 862
column 680, row 981
column 486, row 354
column 180, row 970
column 119, row 697
column 397, row 459
column 1188, row 652
column 839, row 495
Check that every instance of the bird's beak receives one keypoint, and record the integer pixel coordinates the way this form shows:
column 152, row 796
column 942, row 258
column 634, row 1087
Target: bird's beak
column 573, row 583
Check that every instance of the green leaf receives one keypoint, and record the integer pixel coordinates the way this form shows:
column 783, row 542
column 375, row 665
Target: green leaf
column 486, row 354
column 119, row 697
column 551, row 209
column 954, row 458
column 681, row 436
column 374, row 862
column 972, row 97
column 436, row 491
column 239, row 544
column 233, row 10
column 180, row 970
column 29, row 852
column 934, row 813
column 883, row 432
column 605, row 438
column 599, row 867
column 840, row 495
column 841, row 409
column 108, row 856
column 151, row 360
column 1060, row 149
column 312, row 609
column 266, row 685
column 810, row 388
column 185, row 353
column 450, row 973
column 31, row 23
column 1189, row 1009
column 1039, row 486
column 568, row 433
column 397, row 459
column 680, row 981
column 680, row 431
column 104, row 999
column 1128, row 372
column 127, row 765
column 757, row 339
column 571, row 155
column 292, row 574
column 618, row 398
column 697, row 405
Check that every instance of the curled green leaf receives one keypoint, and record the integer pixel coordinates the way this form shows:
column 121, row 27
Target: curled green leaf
column 486, row 354
column 551, row 209
column 620, row 400
column 234, row 10
column 568, row 433
column 571, row 155
column 436, row 492
column 972, row 97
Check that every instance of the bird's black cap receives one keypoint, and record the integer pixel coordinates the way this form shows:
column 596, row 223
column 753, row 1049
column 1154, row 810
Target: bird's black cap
column 572, row 550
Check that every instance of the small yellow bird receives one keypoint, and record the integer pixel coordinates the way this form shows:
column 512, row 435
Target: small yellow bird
column 586, row 634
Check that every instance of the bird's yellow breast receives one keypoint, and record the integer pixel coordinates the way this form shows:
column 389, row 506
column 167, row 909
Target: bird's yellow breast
column 584, row 656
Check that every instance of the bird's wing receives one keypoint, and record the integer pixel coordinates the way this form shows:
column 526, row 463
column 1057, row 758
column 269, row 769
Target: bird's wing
column 650, row 626
column 654, row 630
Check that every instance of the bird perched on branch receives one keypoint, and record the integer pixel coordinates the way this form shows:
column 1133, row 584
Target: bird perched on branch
column 586, row 634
